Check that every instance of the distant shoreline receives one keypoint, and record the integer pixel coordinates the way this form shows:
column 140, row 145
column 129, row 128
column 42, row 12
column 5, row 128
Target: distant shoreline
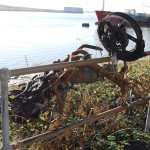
column 38, row 10
column 26, row 9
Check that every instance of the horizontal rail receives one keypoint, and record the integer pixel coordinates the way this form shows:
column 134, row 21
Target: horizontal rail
column 49, row 134
column 43, row 68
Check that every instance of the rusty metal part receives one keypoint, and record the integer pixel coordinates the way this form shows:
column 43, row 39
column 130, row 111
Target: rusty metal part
column 36, row 97
column 90, row 46
column 41, row 89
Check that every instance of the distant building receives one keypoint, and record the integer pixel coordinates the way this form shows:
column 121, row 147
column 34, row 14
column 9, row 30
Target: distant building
column 73, row 10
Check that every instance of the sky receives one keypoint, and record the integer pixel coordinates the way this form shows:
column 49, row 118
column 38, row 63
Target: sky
column 91, row 5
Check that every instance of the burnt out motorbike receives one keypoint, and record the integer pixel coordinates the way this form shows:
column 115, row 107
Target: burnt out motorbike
column 114, row 34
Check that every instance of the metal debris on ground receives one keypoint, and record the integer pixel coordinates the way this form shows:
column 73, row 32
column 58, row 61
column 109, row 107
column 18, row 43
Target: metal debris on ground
column 36, row 96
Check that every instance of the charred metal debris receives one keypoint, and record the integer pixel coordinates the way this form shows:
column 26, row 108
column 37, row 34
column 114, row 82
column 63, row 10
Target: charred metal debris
column 112, row 31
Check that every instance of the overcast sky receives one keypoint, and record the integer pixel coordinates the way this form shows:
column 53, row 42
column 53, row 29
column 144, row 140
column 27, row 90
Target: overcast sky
column 111, row 5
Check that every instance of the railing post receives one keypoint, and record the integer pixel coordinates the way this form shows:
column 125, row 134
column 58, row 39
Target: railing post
column 147, row 126
column 4, row 77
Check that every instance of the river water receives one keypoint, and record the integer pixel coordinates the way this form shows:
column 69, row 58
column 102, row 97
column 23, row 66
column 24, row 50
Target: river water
column 35, row 38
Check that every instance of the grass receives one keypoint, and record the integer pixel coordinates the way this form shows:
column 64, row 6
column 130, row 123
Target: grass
column 121, row 131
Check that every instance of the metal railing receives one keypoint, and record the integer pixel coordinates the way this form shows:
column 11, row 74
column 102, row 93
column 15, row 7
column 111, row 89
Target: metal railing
column 4, row 77
column 5, row 74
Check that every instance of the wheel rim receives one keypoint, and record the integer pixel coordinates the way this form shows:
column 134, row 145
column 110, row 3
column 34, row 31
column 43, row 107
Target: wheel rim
column 117, row 24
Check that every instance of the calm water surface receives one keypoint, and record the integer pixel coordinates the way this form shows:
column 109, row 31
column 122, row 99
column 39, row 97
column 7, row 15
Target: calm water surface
column 35, row 38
